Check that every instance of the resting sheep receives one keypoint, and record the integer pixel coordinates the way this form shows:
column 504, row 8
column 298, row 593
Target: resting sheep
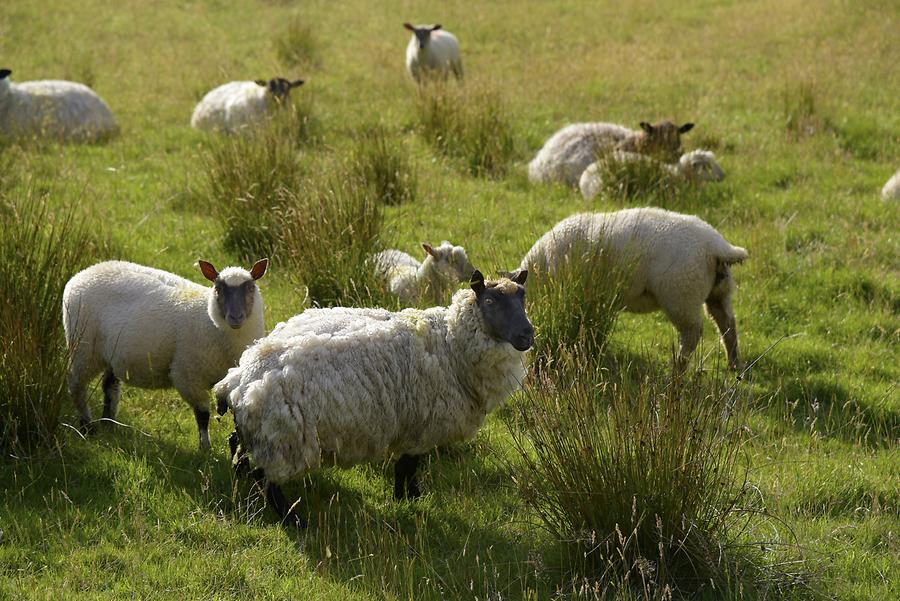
column 347, row 386
column 236, row 106
column 568, row 152
column 57, row 110
column 436, row 277
column 891, row 190
column 154, row 329
column 696, row 165
column 670, row 261
column 432, row 51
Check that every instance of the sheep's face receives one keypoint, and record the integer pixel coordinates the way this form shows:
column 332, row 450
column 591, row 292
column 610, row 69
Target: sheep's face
column 701, row 165
column 234, row 291
column 279, row 87
column 423, row 34
column 4, row 80
column 502, row 305
column 662, row 140
column 450, row 263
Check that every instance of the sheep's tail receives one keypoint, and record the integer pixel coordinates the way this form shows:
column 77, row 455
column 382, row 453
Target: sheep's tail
column 729, row 255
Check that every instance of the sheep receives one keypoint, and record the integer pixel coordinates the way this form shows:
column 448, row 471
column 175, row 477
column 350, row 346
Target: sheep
column 59, row 110
column 239, row 105
column 568, row 152
column 697, row 165
column 891, row 190
column 437, row 276
column 347, row 386
column 432, row 50
column 669, row 261
column 154, row 329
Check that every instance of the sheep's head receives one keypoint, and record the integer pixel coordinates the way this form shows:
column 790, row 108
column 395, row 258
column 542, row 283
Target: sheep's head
column 701, row 165
column 234, row 292
column 422, row 33
column 661, row 140
column 4, row 73
column 502, row 304
column 4, row 79
column 448, row 262
column 279, row 87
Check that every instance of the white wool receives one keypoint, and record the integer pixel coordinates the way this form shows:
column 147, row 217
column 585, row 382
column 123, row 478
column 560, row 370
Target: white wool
column 440, row 55
column 347, row 386
column 232, row 107
column 671, row 262
column 58, row 110
column 568, row 152
column 891, row 190
column 154, row 329
column 436, row 277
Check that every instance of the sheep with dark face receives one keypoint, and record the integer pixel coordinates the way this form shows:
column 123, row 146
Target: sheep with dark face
column 347, row 386
column 239, row 105
column 661, row 141
column 432, row 50
column 153, row 329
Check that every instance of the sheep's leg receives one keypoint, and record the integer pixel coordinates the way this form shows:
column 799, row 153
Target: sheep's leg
column 275, row 499
column 721, row 312
column 202, row 417
column 406, row 485
column 198, row 398
column 690, row 330
column 239, row 460
column 111, row 390
column 79, row 376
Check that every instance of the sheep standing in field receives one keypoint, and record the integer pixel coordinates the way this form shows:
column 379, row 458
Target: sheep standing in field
column 347, row 386
column 696, row 166
column 670, row 261
column 58, row 110
column 436, row 277
column 891, row 190
column 432, row 50
column 154, row 329
column 238, row 105
column 568, row 152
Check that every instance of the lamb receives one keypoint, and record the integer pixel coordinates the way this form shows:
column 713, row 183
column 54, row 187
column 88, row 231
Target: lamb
column 669, row 261
column 432, row 50
column 891, row 190
column 346, row 386
column 154, row 329
column 697, row 165
column 237, row 106
column 568, row 152
column 53, row 109
column 436, row 277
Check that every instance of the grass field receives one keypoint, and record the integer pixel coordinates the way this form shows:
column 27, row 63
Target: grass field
column 799, row 100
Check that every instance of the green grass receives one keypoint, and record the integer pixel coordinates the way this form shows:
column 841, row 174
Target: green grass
column 798, row 101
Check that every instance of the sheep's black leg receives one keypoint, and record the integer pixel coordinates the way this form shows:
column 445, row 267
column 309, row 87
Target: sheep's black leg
column 239, row 460
column 110, row 384
column 406, row 485
column 276, row 500
column 202, row 417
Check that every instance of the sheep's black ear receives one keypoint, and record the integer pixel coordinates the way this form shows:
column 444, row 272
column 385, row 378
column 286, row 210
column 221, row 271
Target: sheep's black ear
column 435, row 28
column 259, row 269
column 685, row 128
column 4, row 73
column 519, row 276
column 477, row 282
column 261, row 82
column 429, row 249
column 297, row 83
column 646, row 127
column 409, row 26
column 208, row 271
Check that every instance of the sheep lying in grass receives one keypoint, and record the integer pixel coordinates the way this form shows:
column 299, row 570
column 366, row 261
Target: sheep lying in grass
column 432, row 50
column 347, row 386
column 568, row 152
column 891, row 190
column 57, row 110
column 154, row 329
column 697, row 166
column 436, row 277
column 238, row 105
column 671, row 261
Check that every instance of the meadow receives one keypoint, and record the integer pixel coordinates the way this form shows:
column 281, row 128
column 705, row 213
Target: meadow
column 798, row 99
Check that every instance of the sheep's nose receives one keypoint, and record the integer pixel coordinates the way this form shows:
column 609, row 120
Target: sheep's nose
column 234, row 321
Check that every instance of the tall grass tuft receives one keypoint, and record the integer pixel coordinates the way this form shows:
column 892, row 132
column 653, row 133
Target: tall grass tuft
column 469, row 123
column 646, row 180
column 385, row 166
column 39, row 251
column 297, row 46
column 801, row 110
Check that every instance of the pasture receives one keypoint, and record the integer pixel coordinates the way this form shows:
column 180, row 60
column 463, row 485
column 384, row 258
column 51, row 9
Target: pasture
column 799, row 100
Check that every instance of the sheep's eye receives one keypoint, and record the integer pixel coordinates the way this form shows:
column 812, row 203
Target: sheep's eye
column 488, row 301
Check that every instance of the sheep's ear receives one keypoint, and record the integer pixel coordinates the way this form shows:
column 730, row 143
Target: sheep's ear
column 259, row 269
column 685, row 128
column 4, row 73
column 646, row 127
column 435, row 28
column 409, row 26
column 429, row 249
column 477, row 282
column 208, row 271
column 262, row 82
column 297, row 83
column 519, row 276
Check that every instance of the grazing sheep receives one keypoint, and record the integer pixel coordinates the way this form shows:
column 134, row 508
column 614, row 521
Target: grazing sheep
column 891, row 190
column 347, row 386
column 58, row 110
column 239, row 105
column 696, row 165
column 437, row 276
column 431, row 49
column 154, row 329
column 568, row 152
column 670, row 261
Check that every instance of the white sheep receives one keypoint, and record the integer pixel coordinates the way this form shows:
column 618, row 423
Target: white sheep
column 153, row 329
column 346, row 386
column 436, row 277
column 431, row 49
column 696, row 165
column 58, row 110
column 669, row 261
column 891, row 190
column 569, row 151
column 239, row 105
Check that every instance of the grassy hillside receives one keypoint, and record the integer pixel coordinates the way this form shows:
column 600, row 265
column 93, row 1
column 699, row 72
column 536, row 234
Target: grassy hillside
column 798, row 99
